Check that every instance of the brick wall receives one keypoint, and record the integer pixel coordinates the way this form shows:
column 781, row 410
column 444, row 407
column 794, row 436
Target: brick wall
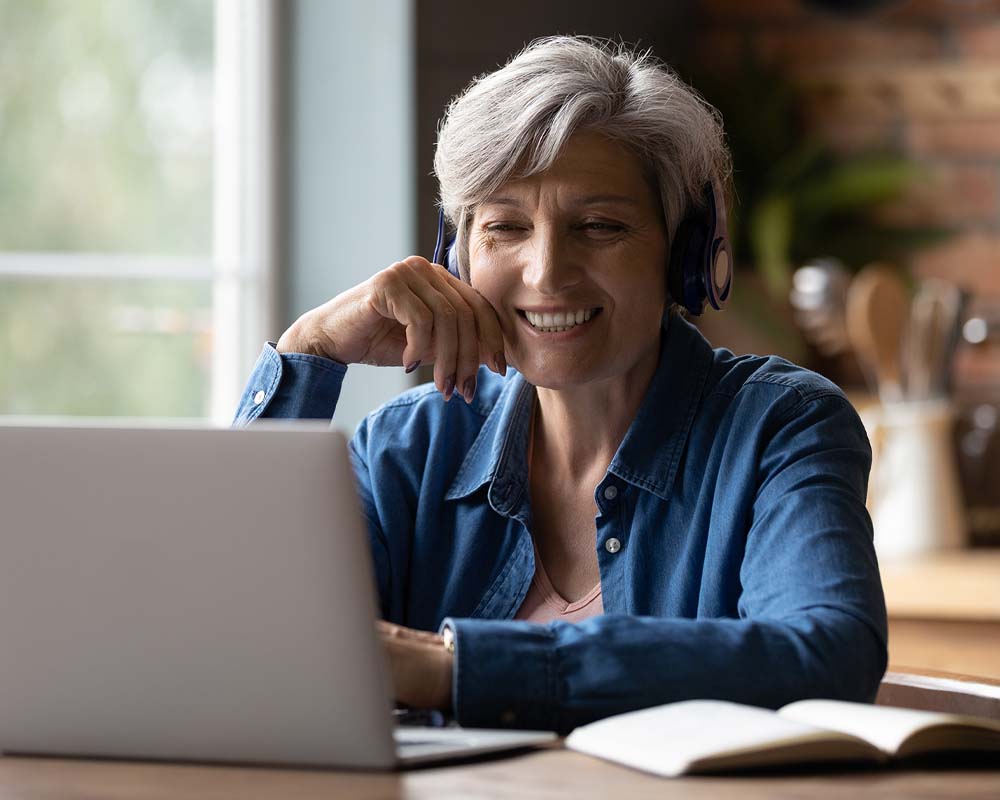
column 920, row 77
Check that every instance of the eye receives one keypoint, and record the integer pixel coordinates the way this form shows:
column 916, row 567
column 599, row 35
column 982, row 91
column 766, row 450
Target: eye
column 602, row 228
column 504, row 231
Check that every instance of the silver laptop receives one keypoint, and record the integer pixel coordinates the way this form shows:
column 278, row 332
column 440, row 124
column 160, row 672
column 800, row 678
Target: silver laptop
column 196, row 594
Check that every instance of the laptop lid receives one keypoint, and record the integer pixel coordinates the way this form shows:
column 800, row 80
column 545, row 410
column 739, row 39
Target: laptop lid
column 187, row 593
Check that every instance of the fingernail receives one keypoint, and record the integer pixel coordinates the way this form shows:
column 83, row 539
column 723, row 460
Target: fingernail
column 449, row 388
column 469, row 389
column 500, row 362
column 411, row 367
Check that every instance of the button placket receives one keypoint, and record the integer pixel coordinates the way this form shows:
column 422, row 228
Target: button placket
column 610, row 494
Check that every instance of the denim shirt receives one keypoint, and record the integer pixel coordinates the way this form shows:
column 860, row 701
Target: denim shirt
column 734, row 548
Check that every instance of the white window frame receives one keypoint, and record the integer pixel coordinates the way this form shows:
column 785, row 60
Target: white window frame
column 241, row 267
column 245, row 296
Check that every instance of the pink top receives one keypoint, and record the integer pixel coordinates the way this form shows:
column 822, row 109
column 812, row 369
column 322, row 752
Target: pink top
column 543, row 603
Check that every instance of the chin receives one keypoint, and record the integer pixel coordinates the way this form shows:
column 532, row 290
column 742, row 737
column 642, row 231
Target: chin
column 558, row 376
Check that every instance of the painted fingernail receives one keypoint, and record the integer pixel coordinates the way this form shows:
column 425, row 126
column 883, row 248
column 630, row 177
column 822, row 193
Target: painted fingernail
column 469, row 389
column 411, row 367
column 500, row 362
column 449, row 388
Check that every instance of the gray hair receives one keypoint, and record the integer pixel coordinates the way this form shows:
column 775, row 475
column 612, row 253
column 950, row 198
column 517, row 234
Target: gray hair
column 515, row 121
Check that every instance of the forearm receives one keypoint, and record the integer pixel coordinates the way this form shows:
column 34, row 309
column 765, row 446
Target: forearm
column 558, row 676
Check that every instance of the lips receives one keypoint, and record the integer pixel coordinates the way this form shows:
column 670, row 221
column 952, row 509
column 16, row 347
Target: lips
column 558, row 321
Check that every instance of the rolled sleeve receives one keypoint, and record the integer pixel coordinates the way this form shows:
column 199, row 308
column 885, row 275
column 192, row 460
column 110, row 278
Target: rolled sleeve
column 290, row 386
column 505, row 674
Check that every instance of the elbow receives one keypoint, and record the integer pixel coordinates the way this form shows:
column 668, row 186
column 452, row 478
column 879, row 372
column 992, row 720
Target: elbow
column 846, row 659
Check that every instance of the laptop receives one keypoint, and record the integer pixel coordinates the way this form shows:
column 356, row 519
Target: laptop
column 197, row 594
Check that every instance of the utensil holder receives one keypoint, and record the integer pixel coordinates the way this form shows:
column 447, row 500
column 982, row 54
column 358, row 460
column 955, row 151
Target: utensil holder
column 914, row 495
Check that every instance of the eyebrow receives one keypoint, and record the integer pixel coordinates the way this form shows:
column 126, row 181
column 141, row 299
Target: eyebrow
column 593, row 199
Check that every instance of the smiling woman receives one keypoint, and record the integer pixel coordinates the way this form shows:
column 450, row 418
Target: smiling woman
column 628, row 517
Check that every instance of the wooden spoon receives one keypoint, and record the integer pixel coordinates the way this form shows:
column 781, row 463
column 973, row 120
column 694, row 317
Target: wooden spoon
column 876, row 313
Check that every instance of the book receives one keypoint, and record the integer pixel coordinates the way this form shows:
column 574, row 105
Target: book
column 699, row 736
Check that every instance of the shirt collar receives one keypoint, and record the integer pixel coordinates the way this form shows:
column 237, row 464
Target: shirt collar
column 648, row 456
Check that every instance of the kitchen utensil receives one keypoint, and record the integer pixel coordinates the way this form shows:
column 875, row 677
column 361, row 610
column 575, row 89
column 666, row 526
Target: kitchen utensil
column 819, row 293
column 876, row 314
column 933, row 334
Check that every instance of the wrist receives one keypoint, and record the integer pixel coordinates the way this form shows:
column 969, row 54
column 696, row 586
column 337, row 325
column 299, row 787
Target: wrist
column 299, row 338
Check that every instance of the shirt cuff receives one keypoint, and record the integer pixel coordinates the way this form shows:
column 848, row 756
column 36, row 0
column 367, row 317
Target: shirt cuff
column 504, row 674
column 290, row 386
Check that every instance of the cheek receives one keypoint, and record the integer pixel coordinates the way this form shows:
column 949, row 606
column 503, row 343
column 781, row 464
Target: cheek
column 488, row 277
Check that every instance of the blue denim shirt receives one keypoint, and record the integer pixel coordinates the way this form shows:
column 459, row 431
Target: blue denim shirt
column 745, row 571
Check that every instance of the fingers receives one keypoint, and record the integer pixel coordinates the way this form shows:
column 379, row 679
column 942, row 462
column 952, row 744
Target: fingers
column 390, row 630
column 466, row 352
column 420, row 668
column 491, row 344
column 465, row 328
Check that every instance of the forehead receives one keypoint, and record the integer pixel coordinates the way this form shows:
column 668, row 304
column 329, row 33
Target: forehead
column 589, row 164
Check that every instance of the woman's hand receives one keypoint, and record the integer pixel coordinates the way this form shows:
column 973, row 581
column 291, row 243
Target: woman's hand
column 410, row 313
column 421, row 667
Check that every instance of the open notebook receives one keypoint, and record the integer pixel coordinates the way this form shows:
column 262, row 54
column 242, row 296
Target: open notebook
column 714, row 735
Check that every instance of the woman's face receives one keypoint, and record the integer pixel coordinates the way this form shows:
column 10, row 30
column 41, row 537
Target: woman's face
column 574, row 261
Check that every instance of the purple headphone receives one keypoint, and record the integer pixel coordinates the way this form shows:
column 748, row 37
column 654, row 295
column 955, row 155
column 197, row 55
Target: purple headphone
column 701, row 264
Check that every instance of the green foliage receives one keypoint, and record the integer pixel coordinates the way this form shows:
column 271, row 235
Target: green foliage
column 105, row 347
column 91, row 155
column 105, row 147
column 796, row 198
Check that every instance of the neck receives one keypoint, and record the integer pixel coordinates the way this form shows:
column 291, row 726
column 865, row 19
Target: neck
column 578, row 429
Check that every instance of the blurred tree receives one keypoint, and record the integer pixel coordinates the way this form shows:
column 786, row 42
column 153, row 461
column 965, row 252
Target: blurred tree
column 105, row 147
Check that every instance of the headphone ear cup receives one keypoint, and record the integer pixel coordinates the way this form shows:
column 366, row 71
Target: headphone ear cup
column 687, row 265
column 675, row 269
column 701, row 269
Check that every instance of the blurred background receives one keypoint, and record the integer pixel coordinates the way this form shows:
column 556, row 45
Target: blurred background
column 180, row 179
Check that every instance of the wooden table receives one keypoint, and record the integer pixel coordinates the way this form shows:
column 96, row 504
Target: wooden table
column 944, row 611
column 548, row 774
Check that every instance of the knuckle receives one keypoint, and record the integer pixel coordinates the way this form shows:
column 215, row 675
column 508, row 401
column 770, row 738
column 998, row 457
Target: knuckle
column 416, row 263
column 390, row 276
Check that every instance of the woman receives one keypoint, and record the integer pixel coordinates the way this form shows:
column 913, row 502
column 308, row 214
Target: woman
column 630, row 518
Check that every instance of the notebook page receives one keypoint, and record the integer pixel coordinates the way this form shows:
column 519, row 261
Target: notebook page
column 886, row 728
column 668, row 739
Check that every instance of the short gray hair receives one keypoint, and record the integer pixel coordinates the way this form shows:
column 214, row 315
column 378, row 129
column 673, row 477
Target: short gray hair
column 515, row 121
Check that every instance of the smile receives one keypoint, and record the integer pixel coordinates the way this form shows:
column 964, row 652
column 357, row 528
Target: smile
column 559, row 321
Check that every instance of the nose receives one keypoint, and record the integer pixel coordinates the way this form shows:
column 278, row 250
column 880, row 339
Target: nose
column 550, row 267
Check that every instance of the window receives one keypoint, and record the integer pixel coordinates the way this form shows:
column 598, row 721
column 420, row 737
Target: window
column 136, row 226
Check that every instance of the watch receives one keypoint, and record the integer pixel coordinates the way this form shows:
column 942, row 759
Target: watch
column 448, row 638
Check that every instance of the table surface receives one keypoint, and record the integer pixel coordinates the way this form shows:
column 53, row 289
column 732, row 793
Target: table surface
column 971, row 580
column 550, row 773
column 951, row 585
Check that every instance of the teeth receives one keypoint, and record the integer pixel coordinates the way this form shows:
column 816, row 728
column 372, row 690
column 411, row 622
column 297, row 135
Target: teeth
column 559, row 321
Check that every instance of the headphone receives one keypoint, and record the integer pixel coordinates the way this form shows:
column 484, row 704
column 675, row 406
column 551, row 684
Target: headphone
column 701, row 264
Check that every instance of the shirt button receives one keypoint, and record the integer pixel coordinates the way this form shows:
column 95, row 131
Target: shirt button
column 507, row 718
column 258, row 398
column 610, row 492
column 612, row 545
